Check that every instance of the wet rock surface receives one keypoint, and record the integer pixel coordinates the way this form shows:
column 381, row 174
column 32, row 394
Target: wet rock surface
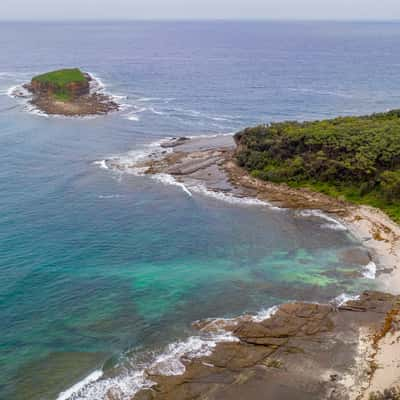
column 304, row 351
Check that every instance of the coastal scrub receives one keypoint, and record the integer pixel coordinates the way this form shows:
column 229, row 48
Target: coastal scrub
column 355, row 158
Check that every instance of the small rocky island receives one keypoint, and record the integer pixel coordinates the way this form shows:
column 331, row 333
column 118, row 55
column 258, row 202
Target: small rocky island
column 68, row 92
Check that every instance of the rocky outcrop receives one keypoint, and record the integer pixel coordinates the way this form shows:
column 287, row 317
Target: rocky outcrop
column 72, row 99
column 74, row 89
column 304, row 351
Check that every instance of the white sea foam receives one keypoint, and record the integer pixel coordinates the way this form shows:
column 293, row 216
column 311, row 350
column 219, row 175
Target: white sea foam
column 204, row 115
column 210, row 136
column 124, row 386
column 109, row 196
column 332, row 222
column 230, row 198
column 156, row 112
column 147, row 99
column 265, row 314
column 97, row 85
column 369, row 271
column 133, row 117
column 131, row 163
column 170, row 362
column 94, row 376
column 18, row 91
column 343, row 299
column 168, row 179
column 102, row 164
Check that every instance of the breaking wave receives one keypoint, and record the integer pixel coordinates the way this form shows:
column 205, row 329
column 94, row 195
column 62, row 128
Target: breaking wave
column 343, row 299
column 369, row 271
column 265, row 314
column 170, row 362
column 332, row 223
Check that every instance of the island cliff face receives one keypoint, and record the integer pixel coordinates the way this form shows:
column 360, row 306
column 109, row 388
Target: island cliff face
column 74, row 89
column 68, row 92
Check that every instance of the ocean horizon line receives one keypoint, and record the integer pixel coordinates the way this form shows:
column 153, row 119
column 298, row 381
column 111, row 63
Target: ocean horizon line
column 183, row 20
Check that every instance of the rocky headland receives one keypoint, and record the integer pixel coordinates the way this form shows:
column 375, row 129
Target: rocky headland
column 68, row 92
column 344, row 351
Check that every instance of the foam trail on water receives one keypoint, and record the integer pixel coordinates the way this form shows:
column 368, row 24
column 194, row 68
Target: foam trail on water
column 170, row 180
column 332, row 222
column 229, row 198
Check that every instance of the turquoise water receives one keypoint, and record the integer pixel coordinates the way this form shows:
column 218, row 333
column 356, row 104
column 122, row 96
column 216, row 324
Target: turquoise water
column 100, row 270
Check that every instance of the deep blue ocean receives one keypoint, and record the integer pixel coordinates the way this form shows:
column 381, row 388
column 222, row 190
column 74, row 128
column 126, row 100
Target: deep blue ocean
column 100, row 271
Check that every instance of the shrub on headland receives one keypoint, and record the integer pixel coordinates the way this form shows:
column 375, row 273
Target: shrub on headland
column 354, row 157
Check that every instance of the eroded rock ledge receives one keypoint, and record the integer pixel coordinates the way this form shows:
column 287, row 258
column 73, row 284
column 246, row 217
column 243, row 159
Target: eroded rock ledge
column 303, row 352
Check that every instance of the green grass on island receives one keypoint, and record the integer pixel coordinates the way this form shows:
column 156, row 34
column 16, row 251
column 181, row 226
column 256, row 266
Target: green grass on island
column 353, row 158
column 60, row 79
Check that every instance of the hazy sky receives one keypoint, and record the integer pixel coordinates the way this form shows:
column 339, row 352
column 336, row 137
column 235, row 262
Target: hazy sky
column 199, row 9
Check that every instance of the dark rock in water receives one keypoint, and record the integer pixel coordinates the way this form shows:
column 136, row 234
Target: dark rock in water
column 301, row 352
column 175, row 142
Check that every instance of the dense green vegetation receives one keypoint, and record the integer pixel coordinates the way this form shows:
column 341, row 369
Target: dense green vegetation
column 357, row 158
column 61, row 77
column 58, row 80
